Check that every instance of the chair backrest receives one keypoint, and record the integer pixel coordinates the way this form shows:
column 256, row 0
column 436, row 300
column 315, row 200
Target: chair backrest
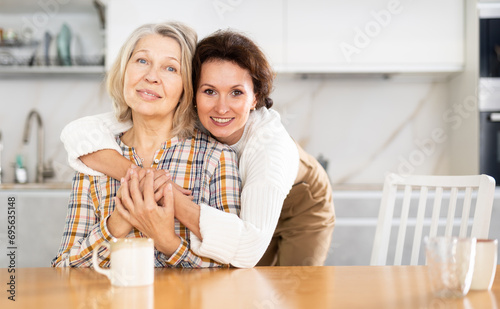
column 398, row 208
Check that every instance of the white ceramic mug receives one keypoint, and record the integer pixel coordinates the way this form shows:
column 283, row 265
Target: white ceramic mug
column 131, row 298
column 132, row 261
column 486, row 264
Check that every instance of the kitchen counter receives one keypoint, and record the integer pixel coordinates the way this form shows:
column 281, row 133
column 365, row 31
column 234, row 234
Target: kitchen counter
column 36, row 186
column 358, row 187
column 373, row 188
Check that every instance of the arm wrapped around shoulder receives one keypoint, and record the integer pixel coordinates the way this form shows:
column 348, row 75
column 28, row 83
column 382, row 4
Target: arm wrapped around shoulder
column 89, row 134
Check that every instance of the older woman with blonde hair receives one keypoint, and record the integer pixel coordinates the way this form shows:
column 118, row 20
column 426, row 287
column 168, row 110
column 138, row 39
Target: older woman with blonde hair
column 150, row 85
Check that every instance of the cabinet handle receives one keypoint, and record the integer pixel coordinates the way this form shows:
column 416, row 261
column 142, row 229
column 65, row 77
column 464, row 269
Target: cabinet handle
column 495, row 117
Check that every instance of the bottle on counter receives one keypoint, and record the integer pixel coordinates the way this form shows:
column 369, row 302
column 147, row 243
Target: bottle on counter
column 20, row 175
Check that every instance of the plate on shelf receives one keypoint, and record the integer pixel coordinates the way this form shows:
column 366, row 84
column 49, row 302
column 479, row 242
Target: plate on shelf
column 63, row 45
column 47, row 41
column 76, row 50
column 52, row 53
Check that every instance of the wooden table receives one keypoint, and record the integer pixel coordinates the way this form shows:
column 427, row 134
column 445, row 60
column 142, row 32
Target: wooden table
column 261, row 287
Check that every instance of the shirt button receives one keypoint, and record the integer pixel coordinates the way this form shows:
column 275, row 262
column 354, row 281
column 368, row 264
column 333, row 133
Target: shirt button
column 157, row 161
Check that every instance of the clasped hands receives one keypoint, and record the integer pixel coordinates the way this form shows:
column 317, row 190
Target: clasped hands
column 145, row 201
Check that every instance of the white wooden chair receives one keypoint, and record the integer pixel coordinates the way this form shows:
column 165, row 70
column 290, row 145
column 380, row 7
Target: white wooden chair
column 399, row 209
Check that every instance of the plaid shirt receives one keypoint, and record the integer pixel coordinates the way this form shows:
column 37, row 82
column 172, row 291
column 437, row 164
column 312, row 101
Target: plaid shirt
column 200, row 164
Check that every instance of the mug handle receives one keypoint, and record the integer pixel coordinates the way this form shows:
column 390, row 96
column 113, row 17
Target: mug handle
column 95, row 262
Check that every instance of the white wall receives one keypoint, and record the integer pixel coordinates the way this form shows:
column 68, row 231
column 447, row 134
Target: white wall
column 365, row 127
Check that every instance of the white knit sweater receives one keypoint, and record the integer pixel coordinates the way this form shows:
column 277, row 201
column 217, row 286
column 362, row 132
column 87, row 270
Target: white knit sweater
column 268, row 164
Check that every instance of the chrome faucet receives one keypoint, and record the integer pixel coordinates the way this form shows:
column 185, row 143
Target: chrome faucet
column 42, row 171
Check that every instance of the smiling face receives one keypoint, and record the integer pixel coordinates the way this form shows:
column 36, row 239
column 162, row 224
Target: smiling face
column 224, row 99
column 153, row 81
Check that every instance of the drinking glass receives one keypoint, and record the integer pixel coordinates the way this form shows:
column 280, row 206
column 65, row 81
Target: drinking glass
column 450, row 261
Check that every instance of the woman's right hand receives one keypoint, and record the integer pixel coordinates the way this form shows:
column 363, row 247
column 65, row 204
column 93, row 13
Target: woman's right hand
column 161, row 179
column 117, row 225
column 141, row 210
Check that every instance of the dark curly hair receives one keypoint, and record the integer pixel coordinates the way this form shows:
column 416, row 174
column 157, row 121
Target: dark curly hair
column 229, row 45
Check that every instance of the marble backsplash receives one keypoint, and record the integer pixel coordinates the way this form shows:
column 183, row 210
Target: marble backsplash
column 58, row 100
column 368, row 127
column 363, row 127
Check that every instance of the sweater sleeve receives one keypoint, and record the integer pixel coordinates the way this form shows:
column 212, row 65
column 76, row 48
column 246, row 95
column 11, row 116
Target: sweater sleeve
column 224, row 200
column 242, row 241
column 89, row 134
column 268, row 168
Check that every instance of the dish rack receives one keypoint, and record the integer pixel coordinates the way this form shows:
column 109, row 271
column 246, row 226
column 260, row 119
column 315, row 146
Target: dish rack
column 17, row 54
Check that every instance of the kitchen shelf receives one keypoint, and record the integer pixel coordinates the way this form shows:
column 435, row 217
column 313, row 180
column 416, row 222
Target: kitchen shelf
column 46, row 71
column 86, row 20
column 47, row 7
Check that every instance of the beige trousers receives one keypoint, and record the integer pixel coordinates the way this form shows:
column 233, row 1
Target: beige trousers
column 305, row 226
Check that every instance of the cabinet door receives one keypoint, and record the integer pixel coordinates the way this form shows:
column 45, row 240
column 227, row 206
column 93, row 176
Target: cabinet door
column 374, row 35
column 39, row 218
column 262, row 20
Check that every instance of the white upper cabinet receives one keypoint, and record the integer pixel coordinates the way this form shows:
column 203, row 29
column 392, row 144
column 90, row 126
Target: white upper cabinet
column 260, row 20
column 374, row 36
column 318, row 36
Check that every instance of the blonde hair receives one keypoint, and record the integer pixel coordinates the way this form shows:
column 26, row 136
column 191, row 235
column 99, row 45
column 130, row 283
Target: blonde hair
column 184, row 117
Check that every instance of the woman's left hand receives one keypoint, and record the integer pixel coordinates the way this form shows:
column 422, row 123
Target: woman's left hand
column 142, row 211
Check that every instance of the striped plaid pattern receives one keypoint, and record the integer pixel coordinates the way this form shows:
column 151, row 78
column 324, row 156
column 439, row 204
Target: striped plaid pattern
column 200, row 164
